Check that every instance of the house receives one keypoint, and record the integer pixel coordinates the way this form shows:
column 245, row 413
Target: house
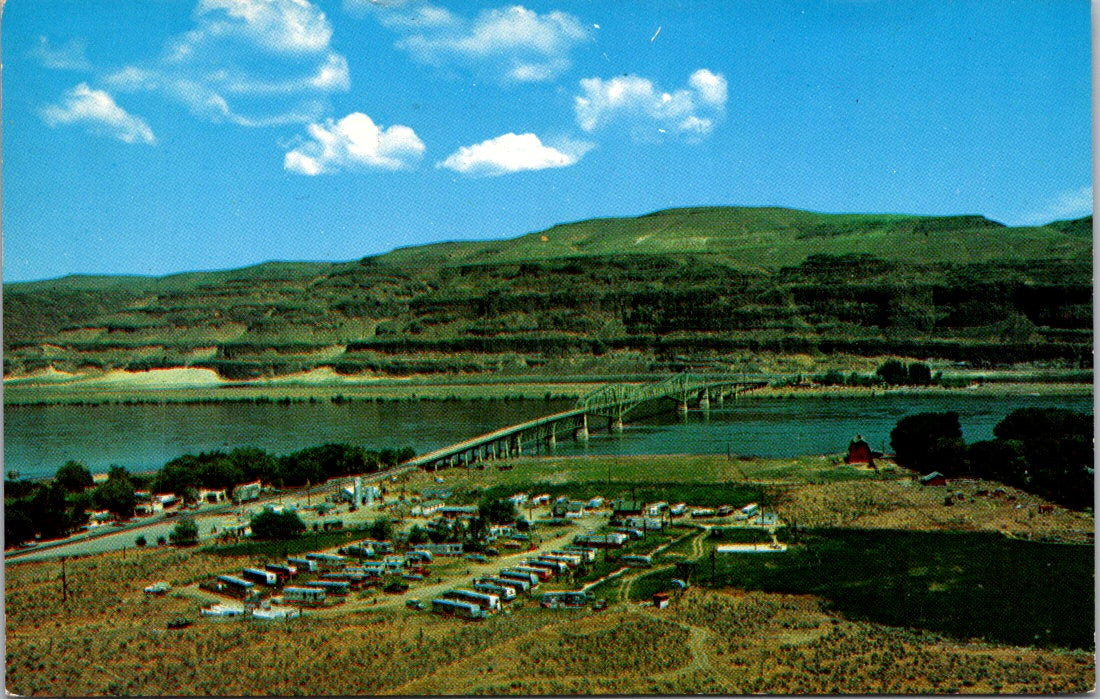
column 212, row 496
column 626, row 507
column 660, row 600
column 426, row 509
column 456, row 511
column 565, row 508
column 934, row 478
column 860, row 452
column 245, row 492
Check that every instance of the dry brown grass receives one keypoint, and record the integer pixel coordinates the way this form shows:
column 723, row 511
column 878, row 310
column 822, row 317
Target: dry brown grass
column 908, row 505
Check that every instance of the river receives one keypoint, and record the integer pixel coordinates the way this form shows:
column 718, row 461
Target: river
column 39, row 439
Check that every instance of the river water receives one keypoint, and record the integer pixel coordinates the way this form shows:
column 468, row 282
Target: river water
column 39, row 439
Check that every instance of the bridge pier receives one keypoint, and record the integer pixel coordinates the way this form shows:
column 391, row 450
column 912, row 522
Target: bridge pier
column 614, row 424
column 580, row 433
column 551, row 437
column 517, row 444
column 720, row 397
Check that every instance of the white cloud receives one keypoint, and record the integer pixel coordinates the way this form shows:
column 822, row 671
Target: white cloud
column 711, row 87
column 1070, row 204
column 513, row 153
column 291, row 26
column 99, row 111
column 513, row 43
column 69, row 56
column 354, row 142
column 691, row 112
column 247, row 62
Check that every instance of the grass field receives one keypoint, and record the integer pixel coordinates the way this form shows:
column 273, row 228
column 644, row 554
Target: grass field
column 966, row 585
column 109, row 639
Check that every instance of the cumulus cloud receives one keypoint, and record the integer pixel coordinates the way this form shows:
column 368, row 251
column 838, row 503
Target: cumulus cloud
column 69, row 56
column 514, row 44
column 354, row 142
column 99, row 111
column 691, row 112
column 289, row 26
column 248, row 62
column 513, row 153
column 1070, row 204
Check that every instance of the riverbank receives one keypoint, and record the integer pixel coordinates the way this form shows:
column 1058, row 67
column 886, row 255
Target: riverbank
column 170, row 386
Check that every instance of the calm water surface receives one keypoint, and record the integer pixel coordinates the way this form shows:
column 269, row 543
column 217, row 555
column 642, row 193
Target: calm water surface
column 37, row 440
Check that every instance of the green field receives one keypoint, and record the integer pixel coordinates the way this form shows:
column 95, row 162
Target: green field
column 964, row 584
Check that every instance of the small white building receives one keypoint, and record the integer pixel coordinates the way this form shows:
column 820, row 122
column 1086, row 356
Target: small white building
column 213, row 496
column 247, row 491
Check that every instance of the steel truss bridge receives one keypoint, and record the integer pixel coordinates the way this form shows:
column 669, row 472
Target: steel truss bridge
column 613, row 402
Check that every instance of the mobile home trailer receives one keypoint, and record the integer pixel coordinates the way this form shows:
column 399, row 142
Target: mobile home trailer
column 567, row 598
column 519, row 586
column 263, row 577
column 524, row 576
column 378, row 546
column 284, row 572
column 637, row 561
column 555, row 567
column 587, row 554
column 488, row 602
column 450, row 607
column 304, row 595
column 236, row 586
column 570, row 560
column 331, row 587
column 328, row 560
column 543, row 574
column 504, row 592
column 305, row 564
column 355, row 582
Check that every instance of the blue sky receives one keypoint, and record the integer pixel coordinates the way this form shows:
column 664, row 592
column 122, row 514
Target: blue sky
column 158, row 136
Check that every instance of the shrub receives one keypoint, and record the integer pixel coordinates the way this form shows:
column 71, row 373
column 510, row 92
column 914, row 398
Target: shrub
column 270, row 525
column 185, row 533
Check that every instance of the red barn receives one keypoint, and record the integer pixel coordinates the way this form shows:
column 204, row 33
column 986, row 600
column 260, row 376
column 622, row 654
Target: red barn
column 860, row 452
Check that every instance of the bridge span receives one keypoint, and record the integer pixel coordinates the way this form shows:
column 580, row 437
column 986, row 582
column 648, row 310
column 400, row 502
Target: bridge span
column 613, row 402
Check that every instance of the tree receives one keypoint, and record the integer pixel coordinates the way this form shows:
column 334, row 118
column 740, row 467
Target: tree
column 497, row 511
column 417, row 535
column 116, row 495
column 919, row 374
column 140, row 541
column 929, row 441
column 276, row 526
column 381, row 529
column 50, row 512
column 18, row 525
column 185, row 533
column 74, row 477
column 893, row 372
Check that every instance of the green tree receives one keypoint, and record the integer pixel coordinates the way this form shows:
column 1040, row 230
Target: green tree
column 18, row 523
column 74, row 476
column 116, row 495
column 50, row 512
column 269, row 526
column 417, row 535
column 919, row 374
column 929, row 441
column 497, row 511
column 381, row 529
column 893, row 372
column 185, row 533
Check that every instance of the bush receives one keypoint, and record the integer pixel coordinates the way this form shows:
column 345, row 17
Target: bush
column 140, row 541
column 185, row 533
column 270, row 525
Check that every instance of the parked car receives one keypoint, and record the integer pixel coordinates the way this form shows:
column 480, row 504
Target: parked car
column 414, row 604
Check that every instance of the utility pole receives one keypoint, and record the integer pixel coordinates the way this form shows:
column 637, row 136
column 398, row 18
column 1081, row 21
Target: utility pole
column 64, row 582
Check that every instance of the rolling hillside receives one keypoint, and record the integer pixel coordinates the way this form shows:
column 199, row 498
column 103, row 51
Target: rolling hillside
column 699, row 285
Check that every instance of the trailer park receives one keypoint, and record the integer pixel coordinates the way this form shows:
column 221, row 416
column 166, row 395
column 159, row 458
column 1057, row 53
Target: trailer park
column 570, row 549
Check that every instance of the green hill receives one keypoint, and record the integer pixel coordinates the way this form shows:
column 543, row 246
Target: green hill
column 769, row 238
column 713, row 286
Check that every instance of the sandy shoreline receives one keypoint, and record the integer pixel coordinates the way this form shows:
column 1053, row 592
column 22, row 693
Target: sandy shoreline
column 192, row 384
